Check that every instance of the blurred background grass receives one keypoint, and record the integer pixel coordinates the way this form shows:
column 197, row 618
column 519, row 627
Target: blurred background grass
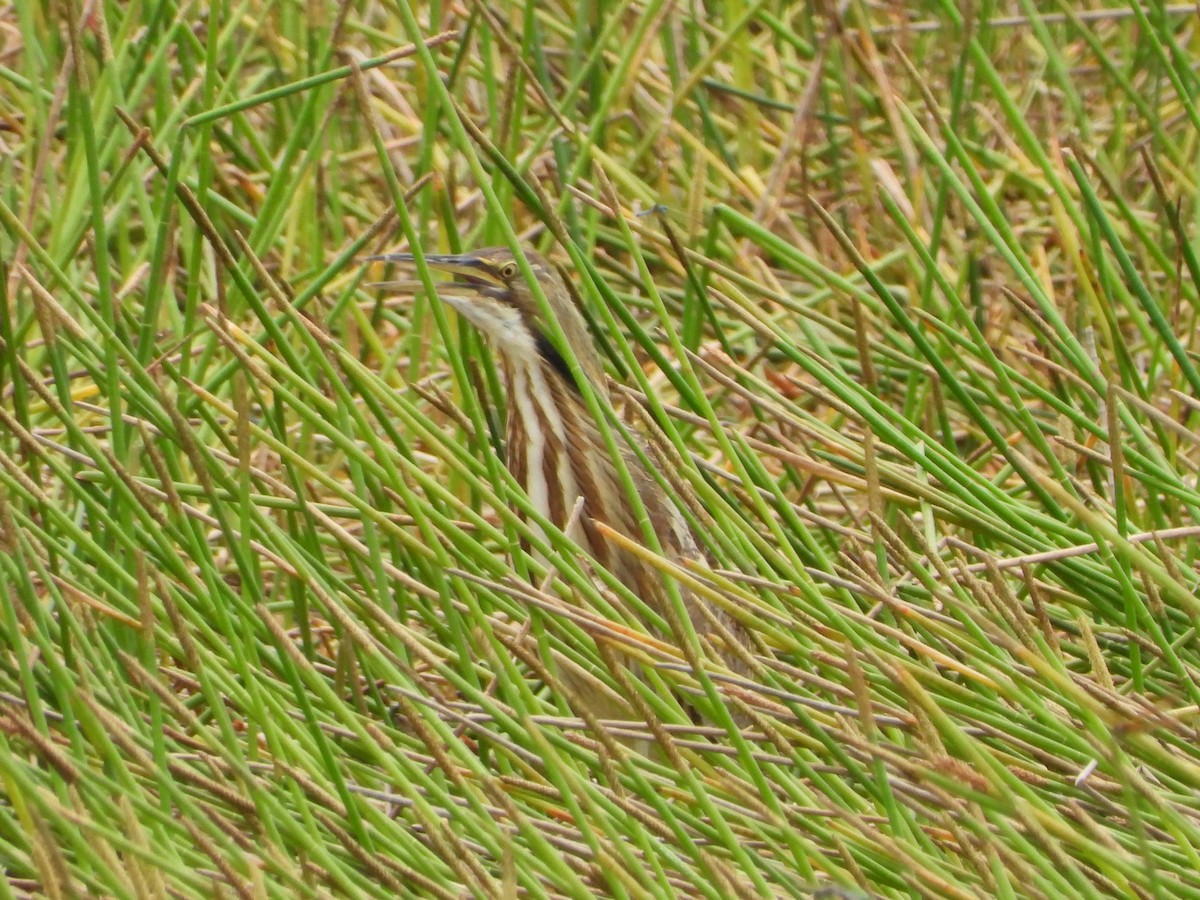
column 909, row 292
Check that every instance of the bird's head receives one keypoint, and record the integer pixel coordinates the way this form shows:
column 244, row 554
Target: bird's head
column 490, row 290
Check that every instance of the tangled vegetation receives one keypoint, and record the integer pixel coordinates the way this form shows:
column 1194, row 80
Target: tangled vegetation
column 905, row 296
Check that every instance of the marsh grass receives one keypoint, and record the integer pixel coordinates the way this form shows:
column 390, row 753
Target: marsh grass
column 907, row 299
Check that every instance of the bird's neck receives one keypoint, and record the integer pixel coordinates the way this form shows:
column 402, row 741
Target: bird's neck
column 547, row 422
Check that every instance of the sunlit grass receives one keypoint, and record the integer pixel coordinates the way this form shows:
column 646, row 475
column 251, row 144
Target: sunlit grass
column 908, row 306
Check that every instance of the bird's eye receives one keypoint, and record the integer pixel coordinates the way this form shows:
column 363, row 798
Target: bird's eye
column 508, row 270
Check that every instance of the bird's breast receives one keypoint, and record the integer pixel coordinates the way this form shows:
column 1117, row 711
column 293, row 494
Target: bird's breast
column 541, row 429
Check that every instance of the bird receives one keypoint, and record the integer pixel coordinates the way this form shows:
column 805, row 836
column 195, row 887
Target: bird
column 556, row 451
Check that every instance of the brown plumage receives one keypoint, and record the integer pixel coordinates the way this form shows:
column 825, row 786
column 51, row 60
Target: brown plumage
column 555, row 449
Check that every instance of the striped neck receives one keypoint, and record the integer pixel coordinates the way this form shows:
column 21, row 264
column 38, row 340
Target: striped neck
column 545, row 417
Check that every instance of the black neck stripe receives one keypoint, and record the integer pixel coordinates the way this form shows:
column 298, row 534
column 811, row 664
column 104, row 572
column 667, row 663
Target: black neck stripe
column 550, row 355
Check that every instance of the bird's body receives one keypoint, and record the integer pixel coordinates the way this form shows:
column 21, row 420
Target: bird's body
column 555, row 449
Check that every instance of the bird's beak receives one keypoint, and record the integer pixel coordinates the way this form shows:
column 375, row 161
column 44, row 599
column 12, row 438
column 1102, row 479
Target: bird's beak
column 473, row 275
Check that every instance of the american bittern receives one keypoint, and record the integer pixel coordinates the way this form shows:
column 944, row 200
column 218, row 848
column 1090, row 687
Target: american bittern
column 554, row 446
